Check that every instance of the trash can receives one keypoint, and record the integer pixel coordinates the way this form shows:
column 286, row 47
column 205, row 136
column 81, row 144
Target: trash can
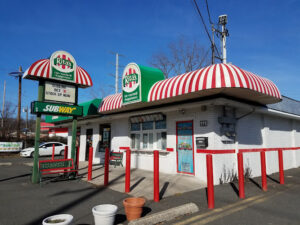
column 104, row 214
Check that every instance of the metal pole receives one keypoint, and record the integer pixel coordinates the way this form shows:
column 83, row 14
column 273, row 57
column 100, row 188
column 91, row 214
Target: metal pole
column 73, row 143
column 90, row 167
column 106, row 166
column 26, row 118
column 156, row 176
column 53, row 151
column 241, row 175
column 35, row 170
column 210, row 182
column 263, row 170
column 224, row 44
column 127, row 171
column 280, row 162
column 117, row 73
column 213, row 45
column 3, row 105
column 19, row 104
column 74, row 130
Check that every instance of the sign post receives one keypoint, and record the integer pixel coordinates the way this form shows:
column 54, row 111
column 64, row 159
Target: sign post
column 59, row 78
column 35, row 171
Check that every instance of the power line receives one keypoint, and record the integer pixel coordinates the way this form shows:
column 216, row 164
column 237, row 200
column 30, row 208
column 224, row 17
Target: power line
column 208, row 13
column 202, row 21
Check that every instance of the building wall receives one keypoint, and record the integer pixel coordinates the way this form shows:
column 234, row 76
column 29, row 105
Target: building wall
column 253, row 130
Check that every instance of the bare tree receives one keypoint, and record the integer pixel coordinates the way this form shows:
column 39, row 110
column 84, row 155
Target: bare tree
column 9, row 123
column 182, row 56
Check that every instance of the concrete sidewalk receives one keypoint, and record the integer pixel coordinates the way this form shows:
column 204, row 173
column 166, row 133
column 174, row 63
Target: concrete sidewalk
column 141, row 181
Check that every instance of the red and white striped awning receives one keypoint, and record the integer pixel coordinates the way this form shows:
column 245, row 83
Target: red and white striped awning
column 212, row 80
column 111, row 102
column 41, row 69
column 224, row 78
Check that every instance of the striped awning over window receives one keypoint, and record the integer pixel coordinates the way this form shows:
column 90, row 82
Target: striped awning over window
column 41, row 69
column 212, row 77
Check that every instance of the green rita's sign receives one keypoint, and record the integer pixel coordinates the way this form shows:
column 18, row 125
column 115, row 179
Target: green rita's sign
column 137, row 81
column 63, row 66
column 56, row 109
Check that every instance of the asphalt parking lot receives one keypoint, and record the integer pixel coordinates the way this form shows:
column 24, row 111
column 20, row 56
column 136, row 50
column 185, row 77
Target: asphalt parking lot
column 24, row 203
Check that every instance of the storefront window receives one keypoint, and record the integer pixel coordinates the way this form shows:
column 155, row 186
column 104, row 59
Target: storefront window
column 135, row 126
column 160, row 124
column 163, row 140
column 145, row 141
column 135, row 141
column 153, row 135
column 151, row 141
column 147, row 125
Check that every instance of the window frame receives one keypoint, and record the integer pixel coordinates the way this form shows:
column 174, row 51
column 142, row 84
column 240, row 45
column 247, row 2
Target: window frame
column 141, row 132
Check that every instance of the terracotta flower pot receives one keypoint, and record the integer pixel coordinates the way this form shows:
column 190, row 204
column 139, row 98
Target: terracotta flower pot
column 133, row 208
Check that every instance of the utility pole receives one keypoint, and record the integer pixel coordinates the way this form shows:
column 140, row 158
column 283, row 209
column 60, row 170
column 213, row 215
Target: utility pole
column 117, row 73
column 224, row 34
column 3, row 106
column 26, row 130
column 213, row 45
column 19, row 76
column 19, row 103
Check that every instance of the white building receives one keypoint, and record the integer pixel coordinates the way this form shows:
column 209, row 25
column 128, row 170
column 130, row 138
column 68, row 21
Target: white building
column 219, row 107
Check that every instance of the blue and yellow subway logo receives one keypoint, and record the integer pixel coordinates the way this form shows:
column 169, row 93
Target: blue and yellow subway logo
column 59, row 109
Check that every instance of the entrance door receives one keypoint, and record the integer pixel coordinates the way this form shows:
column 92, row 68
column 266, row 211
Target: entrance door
column 185, row 147
column 104, row 137
column 89, row 142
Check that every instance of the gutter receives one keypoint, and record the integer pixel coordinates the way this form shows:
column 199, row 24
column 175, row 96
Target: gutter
column 277, row 113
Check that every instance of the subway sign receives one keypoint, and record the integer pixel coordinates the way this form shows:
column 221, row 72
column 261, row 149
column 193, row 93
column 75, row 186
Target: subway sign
column 56, row 109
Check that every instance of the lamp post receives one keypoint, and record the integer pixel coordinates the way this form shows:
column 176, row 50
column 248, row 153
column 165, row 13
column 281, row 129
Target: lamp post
column 19, row 76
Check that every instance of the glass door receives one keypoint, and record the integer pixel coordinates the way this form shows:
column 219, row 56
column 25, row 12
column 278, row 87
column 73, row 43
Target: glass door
column 185, row 147
column 104, row 137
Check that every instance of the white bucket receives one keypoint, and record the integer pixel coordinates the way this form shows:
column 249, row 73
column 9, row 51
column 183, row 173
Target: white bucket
column 104, row 214
column 65, row 219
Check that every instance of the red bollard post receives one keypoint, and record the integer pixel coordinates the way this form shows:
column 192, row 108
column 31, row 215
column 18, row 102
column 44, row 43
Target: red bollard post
column 156, row 176
column 241, row 175
column 53, row 151
column 106, row 166
column 77, row 159
column 281, row 171
column 66, row 152
column 263, row 170
column 127, row 177
column 90, row 168
column 210, row 182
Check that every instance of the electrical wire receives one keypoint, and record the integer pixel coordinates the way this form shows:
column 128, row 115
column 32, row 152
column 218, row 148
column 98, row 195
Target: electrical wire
column 202, row 20
column 208, row 12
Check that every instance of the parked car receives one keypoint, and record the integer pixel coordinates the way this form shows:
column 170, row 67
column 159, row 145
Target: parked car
column 45, row 149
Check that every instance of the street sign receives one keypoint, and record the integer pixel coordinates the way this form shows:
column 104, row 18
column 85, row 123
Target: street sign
column 56, row 109
column 60, row 92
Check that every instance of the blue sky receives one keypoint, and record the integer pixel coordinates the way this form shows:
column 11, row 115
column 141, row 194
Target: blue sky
column 264, row 37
